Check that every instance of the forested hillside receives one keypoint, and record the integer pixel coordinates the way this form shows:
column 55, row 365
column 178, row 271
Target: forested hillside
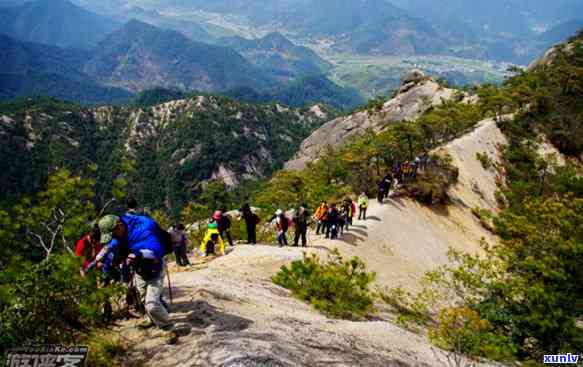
column 167, row 152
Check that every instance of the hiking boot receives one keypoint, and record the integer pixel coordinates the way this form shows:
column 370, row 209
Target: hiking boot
column 147, row 324
column 171, row 337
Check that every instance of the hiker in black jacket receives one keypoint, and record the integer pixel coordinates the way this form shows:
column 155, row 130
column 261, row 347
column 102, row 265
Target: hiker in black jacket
column 251, row 221
column 333, row 221
column 301, row 223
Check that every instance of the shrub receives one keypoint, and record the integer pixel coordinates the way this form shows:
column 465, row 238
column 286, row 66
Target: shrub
column 485, row 160
column 412, row 310
column 105, row 349
column 462, row 331
column 49, row 302
column 336, row 287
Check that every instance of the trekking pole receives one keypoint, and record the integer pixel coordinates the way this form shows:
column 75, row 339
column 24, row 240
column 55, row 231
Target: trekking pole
column 169, row 286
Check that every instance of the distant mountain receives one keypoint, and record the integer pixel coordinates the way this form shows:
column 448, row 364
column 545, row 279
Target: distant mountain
column 365, row 26
column 561, row 32
column 55, row 22
column 140, row 56
column 516, row 17
column 302, row 92
column 278, row 55
column 36, row 69
column 192, row 30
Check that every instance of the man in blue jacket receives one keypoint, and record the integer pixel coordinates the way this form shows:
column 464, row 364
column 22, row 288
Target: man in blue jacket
column 134, row 239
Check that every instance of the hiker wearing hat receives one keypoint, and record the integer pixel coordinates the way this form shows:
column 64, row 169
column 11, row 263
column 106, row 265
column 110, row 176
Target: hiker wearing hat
column 282, row 225
column 213, row 228
column 136, row 240
column 224, row 223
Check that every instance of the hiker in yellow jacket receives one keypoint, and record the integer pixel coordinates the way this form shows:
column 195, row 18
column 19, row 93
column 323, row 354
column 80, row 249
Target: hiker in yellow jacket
column 362, row 206
column 213, row 228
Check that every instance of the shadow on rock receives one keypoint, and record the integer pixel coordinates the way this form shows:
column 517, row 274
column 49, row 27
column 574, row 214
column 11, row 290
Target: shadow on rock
column 202, row 315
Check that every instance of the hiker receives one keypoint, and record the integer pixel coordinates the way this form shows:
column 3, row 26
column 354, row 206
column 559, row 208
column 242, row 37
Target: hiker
column 180, row 243
column 224, row 223
column 348, row 209
column 414, row 167
column 213, row 228
column 333, row 219
column 301, row 223
column 362, row 206
column 384, row 187
column 89, row 246
column 138, row 241
column 251, row 222
column 341, row 220
column 424, row 161
column 132, row 206
column 212, row 244
column 320, row 217
column 281, row 225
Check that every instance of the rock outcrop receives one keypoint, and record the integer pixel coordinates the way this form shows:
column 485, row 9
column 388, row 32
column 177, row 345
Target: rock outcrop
column 417, row 94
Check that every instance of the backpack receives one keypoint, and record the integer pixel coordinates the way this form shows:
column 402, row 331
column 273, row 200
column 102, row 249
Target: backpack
column 284, row 222
column 165, row 239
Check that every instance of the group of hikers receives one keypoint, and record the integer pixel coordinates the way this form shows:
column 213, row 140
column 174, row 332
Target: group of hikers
column 131, row 248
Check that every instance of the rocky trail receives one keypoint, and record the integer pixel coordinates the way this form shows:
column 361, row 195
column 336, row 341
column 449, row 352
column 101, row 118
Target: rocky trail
column 233, row 315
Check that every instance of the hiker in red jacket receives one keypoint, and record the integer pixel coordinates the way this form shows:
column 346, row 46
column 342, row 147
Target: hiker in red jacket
column 88, row 246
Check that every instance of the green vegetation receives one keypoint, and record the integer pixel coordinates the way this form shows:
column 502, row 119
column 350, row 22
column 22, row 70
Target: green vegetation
column 523, row 299
column 359, row 165
column 168, row 165
column 336, row 287
column 485, row 160
column 43, row 297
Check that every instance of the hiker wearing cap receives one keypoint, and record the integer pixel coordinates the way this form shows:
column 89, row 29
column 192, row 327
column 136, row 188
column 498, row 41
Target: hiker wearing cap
column 301, row 219
column 213, row 228
column 281, row 225
column 251, row 222
column 224, row 223
column 136, row 240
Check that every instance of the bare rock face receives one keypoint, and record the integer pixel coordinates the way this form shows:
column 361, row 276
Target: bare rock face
column 551, row 55
column 416, row 95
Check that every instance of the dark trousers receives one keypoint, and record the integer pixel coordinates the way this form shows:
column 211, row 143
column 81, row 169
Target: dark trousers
column 321, row 227
column 332, row 230
column 362, row 213
column 181, row 257
column 301, row 234
column 251, row 235
column 282, row 239
column 226, row 236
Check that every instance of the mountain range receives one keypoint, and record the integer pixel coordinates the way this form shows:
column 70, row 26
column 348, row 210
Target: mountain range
column 140, row 56
column 120, row 60
column 57, row 23
column 495, row 30
column 278, row 55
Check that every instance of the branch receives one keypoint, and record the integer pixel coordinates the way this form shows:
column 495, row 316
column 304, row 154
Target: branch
column 107, row 204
